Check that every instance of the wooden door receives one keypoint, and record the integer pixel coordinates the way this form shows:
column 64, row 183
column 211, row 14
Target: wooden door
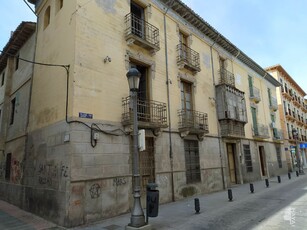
column 231, row 163
column 262, row 160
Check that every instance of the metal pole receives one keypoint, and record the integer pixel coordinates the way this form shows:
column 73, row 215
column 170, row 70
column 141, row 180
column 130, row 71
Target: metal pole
column 137, row 214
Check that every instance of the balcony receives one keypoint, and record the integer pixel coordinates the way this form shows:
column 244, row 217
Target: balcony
column 260, row 131
column 231, row 128
column 277, row 134
column 141, row 33
column 286, row 94
column 255, row 94
column 226, row 77
column 289, row 116
column 299, row 121
column 187, row 58
column 192, row 122
column 296, row 102
column 273, row 104
column 150, row 114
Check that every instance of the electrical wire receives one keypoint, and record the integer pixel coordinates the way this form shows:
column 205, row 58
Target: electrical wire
column 30, row 7
column 94, row 127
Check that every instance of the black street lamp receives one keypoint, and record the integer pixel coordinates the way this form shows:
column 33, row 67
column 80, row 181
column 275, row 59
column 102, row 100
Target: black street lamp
column 137, row 215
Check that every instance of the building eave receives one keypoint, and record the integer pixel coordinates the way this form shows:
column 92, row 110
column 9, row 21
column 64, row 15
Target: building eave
column 19, row 37
column 279, row 68
column 204, row 27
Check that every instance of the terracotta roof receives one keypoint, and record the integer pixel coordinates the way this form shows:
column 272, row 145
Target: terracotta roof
column 19, row 37
column 279, row 68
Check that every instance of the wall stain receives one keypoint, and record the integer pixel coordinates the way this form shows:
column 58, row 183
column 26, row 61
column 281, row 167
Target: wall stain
column 107, row 5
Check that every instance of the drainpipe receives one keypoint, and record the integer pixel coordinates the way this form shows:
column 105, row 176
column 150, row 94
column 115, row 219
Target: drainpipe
column 169, row 104
column 218, row 124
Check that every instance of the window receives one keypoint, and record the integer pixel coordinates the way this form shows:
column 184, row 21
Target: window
column 17, row 62
column 13, row 104
column 8, row 166
column 184, row 52
column 278, row 155
column 138, row 17
column 47, row 17
column 59, row 5
column 270, row 96
column 248, row 158
column 192, row 161
column 2, row 79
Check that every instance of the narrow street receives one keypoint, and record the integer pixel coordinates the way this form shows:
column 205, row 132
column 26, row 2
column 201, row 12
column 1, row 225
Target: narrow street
column 280, row 206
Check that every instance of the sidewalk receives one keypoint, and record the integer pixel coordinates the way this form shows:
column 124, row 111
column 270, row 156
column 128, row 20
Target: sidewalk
column 13, row 218
column 175, row 215
column 180, row 214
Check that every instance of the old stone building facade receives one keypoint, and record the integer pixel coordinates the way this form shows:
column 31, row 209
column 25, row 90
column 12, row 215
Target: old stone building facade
column 206, row 107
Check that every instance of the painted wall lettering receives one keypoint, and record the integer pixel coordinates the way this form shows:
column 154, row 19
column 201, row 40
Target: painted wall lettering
column 119, row 181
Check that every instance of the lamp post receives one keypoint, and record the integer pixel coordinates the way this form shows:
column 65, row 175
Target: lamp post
column 137, row 215
column 298, row 158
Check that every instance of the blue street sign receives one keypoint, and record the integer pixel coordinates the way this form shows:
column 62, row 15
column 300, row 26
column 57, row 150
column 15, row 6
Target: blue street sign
column 303, row 146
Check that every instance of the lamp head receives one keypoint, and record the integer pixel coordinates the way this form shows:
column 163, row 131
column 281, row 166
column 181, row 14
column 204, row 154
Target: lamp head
column 133, row 76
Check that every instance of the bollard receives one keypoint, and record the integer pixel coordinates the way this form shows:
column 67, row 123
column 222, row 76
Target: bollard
column 230, row 195
column 251, row 187
column 297, row 173
column 267, row 183
column 278, row 179
column 196, row 205
column 289, row 175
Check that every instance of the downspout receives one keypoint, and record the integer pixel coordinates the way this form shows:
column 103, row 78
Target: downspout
column 169, row 105
column 218, row 124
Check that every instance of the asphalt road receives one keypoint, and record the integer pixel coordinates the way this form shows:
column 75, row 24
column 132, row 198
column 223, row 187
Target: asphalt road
column 281, row 206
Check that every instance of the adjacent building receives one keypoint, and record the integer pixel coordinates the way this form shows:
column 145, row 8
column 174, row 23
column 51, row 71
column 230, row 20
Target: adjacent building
column 292, row 110
column 209, row 111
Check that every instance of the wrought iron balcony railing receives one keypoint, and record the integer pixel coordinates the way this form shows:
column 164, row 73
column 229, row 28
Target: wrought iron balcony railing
column 255, row 94
column 141, row 33
column 273, row 104
column 261, row 131
column 188, row 58
column 150, row 114
column 232, row 128
column 193, row 121
column 227, row 77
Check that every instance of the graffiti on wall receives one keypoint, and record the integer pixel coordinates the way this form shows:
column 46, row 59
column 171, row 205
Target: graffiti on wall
column 119, row 181
column 17, row 168
column 48, row 172
column 162, row 181
column 95, row 191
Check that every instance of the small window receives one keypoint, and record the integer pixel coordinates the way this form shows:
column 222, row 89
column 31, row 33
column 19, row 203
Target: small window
column 248, row 158
column 8, row 166
column 192, row 161
column 17, row 62
column 13, row 104
column 2, row 78
column 47, row 17
column 59, row 5
column 278, row 155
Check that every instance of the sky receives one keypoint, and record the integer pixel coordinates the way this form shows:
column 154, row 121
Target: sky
column 268, row 31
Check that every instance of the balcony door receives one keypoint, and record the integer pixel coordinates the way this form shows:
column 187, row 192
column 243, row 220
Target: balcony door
column 186, row 103
column 250, row 83
column 137, row 20
column 255, row 123
column 143, row 107
column 183, row 40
